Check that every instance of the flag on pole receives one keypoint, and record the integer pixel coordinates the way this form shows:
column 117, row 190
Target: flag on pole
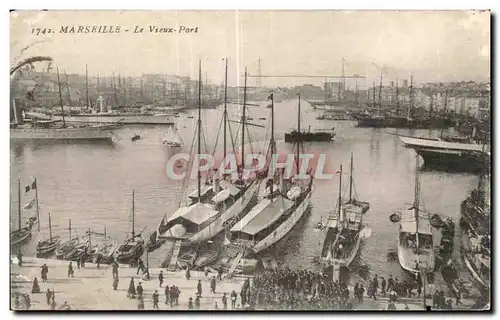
column 30, row 204
column 270, row 96
column 32, row 187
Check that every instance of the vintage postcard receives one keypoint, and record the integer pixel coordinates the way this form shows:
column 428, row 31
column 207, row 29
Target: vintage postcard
column 250, row 160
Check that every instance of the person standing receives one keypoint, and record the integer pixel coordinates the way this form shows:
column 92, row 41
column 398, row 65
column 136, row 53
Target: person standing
column 234, row 296
column 140, row 304
column 197, row 302
column 160, row 277
column 219, row 273
column 140, row 290
column 383, row 285
column 212, row 285
column 224, row 301
column 156, row 298
column 131, row 289
column 190, row 303
column 199, row 288
column 48, row 295
column 71, row 272
column 167, row 295
column 115, row 269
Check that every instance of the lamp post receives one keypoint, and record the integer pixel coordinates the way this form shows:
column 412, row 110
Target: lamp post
column 423, row 276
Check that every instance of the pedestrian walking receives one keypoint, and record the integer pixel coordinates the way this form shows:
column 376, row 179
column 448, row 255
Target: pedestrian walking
column 190, row 303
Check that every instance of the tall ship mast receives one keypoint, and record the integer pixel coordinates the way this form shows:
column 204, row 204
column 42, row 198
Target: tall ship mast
column 280, row 205
column 216, row 203
column 25, row 126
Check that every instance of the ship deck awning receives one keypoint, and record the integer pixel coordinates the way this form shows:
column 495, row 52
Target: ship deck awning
column 204, row 190
column 196, row 213
column 439, row 144
column 408, row 223
column 261, row 216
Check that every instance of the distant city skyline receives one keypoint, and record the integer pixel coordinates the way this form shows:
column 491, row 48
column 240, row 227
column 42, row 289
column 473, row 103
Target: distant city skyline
column 434, row 46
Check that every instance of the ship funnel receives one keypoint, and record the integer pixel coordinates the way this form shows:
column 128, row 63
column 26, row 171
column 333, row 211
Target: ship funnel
column 102, row 105
column 216, row 184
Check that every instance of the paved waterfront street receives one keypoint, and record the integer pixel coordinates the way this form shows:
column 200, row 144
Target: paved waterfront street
column 91, row 288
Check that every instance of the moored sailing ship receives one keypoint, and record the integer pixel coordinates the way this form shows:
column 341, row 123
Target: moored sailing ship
column 50, row 130
column 415, row 238
column 213, row 206
column 133, row 247
column 279, row 209
column 475, row 246
column 345, row 232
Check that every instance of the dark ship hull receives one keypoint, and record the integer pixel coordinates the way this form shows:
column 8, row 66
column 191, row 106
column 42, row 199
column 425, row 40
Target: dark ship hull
column 402, row 122
column 295, row 136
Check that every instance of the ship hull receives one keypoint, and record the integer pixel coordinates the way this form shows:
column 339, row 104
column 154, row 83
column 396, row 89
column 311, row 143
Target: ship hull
column 20, row 236
column 334, row 271
column 453, row 160
column 285, row 227
column 403, row 123
column 308, row 137
column 233, row 212
column 60, row 134
column 122, row 119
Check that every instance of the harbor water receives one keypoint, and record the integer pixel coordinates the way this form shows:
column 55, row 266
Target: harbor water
column 92, row 184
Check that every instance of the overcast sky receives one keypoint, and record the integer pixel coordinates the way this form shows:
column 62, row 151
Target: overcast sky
column 433, row 45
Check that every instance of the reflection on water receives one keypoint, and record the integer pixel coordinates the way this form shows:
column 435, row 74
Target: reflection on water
column 92, row 184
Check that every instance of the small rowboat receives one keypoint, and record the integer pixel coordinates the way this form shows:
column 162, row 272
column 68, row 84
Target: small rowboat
column 132, row 249
column 207, row 258
column 186, row 259
column 19, row 236
column 78, row 251
column 64, row 249
column 48, row 246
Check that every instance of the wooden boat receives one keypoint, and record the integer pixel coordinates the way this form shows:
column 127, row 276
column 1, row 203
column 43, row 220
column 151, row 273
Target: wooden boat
column 82, row 247
column 279, row 208
column 48, row 246
column 154, row 241
column 207, row 257
column 22, row 234
column 68, row 246
column 133, row 247
column 187, row 259
column 415, row 239
column 345, row 232
column 175, row 142
column 102, row 247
